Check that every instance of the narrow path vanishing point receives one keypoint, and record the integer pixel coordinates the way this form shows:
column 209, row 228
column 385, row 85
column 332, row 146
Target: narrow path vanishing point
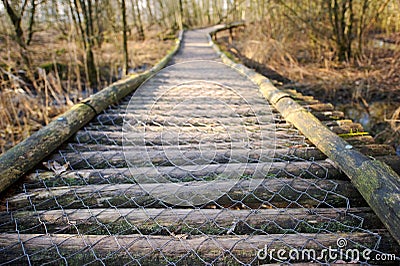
column 195, row 167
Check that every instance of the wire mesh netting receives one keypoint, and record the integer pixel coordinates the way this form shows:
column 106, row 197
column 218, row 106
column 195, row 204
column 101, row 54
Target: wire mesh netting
column 194, row 168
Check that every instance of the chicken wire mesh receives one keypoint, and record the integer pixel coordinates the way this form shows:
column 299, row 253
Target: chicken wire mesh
column 189, row 171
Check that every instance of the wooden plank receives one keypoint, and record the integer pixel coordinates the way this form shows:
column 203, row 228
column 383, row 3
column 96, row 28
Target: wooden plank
column 93, row 126
column 193, row 221
column 83, row 147
column 118, row 119
column 199, row 105
column 149, row 101
column 179, row 156
column 204, row 110
column 317, row 169
column 302, row 151
column 155, row 249
column 195, row 137
column 184, row 110
column 284, row 138
column 181, row 111
column 345, row 128
column 276, row 192
column 196, row 155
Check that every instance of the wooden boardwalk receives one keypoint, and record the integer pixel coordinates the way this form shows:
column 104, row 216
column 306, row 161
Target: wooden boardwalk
column 195, row 167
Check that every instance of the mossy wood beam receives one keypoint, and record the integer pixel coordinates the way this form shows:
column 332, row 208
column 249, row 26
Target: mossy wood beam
column 185, row 220
column 24, row 156
column 376, row 181
column 155, row 249
column 279, row 192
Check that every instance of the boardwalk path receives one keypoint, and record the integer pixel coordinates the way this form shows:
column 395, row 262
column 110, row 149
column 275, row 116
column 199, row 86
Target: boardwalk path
column 196, row 167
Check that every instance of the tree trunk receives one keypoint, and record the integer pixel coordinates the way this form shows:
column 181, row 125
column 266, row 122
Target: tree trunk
column 16, row 21
column 31, row 22
column 137, row 20
column 124, row 37
column 342, row 18
column 86, row 30
column 150, row 12
column 180, row 17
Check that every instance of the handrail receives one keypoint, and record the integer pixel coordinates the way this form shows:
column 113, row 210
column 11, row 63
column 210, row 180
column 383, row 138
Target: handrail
column 24, row 156
column 376, row 181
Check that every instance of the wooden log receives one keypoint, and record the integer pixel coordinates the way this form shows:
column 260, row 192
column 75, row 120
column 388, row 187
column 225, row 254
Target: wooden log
column 24, row 156
column 392, row 160
column 380, row 151
column 194, row 221
column 339, row 122
column 195, row 155
column 347, row 128
column 279, row 193
column 206, row 104
column 167, row 157
column 170, row 155
column 189, row 106
column 377, row 182
column 334, row 127
column 282, row 140
column 154, row 173
column 328, row 115
column 354, row 140
column 320, row 169
column 283, row 127
column 193, row 91
column 319, row 107
column 111, row 138
column 159, row 98
column 151, row 250
column 83, row 147
column 182, row 138
column 185, row 111
column 173, row 101
column 211, row 120
column 375, row 150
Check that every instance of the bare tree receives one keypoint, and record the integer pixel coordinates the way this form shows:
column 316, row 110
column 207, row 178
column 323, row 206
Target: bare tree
column 82, row 14
column 31, row 22
column 341, row 17
column 124, row 37
column 16, row 19
column 15, row 12
column 137, row 19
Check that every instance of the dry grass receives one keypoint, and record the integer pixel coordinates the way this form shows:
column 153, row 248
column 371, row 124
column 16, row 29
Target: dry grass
column 313, row 71
column 295, row 58
column 26, row 107
column 395, row 120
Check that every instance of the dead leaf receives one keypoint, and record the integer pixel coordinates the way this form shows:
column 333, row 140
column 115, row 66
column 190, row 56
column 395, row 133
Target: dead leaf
column 57, row 168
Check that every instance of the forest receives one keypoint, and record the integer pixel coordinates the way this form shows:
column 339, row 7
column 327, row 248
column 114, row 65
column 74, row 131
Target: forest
column 55, row 53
